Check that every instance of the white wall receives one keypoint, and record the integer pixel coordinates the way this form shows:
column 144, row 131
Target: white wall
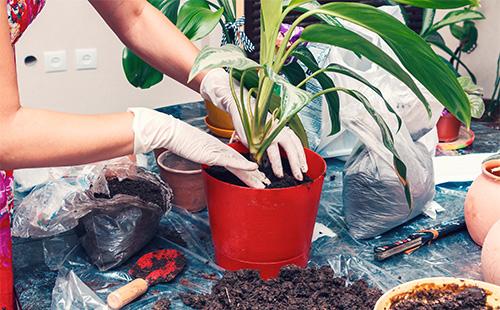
column 70, row 24
column 482, row 61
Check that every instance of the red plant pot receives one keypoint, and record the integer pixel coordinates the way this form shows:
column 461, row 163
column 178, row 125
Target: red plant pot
column 264, row 229
column 448, row 127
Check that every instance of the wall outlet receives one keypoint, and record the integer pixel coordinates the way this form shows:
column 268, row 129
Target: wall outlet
column 86, row 58
column 55, row 61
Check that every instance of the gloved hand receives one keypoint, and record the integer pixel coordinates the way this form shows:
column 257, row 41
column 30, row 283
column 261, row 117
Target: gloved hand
column 153, row 130
column 215, row 88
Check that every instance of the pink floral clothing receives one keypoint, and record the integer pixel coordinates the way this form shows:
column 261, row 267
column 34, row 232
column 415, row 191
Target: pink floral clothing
column 20, row 14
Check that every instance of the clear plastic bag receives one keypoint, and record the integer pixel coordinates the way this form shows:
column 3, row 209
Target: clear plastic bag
column 111, row 229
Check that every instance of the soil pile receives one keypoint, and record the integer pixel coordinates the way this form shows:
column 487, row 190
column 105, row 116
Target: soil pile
column 449, row 297
column 295, row 288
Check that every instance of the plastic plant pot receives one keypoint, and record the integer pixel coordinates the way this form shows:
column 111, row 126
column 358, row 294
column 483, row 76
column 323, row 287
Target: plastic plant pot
column 218, row 118
column 264, row 229
column 448, row 127
column 184, row 177
column 219, row 132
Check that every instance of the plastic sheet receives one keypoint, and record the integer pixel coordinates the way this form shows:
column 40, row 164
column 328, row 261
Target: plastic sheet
column 455, row 255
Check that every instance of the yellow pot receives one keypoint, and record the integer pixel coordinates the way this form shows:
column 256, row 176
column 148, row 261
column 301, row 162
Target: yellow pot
column 493, row 291
column 218, row 118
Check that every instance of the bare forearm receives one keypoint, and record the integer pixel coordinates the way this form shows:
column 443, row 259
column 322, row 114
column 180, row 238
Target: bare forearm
column 148, row 33
column 37, row 138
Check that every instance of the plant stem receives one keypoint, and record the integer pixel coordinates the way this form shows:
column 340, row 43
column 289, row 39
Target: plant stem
column 310, row 77
column 287, row 54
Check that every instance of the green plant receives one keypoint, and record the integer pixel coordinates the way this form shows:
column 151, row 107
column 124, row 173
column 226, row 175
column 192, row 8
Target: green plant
column 462, row 27
column 196, row 19
column 269, row 91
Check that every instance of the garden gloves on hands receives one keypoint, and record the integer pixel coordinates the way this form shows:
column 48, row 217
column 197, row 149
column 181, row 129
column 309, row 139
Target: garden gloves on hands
column 215, row 88
column 154, row 130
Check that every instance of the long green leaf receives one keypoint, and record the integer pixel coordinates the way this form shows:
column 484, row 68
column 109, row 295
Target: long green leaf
column 332, row 98
column 294, row 73
column 350, row 40
column 220, row 57
column 439, row 4
column 387, row 139
column 196, row 20
column 427, row 19
column 420, row 60
column 455, row 17
column 169, row 8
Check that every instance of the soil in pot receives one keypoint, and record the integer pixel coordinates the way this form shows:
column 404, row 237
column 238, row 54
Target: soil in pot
column 288, row 180
column 450, row 297
column 295, row 288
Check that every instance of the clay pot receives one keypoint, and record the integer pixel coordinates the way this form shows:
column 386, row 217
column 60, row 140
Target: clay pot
column 184, row 177
column 263, row 229
column 218, row 122
column 384, row 302
column 482, row 203
column 448, row 127
column 490, row 255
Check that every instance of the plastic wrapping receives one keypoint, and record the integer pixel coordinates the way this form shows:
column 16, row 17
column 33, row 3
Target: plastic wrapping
column 119, row 226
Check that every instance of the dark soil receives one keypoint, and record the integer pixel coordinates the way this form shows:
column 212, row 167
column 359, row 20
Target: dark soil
column 147, row 191
column 450, row 297
column 288, row 180
column 295, row 288
column 162, row 304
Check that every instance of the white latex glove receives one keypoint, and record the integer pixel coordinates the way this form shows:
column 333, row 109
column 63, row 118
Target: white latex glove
column 215, row 88
column 153, row 130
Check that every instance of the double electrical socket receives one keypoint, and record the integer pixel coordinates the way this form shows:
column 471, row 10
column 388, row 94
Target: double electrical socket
column 56, row 61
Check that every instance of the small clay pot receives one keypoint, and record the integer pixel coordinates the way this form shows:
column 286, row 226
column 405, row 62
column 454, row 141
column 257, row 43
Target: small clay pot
column 448, row 127
column 490, row 253
column 184, row 177
column 218, row 118
column 482, row 203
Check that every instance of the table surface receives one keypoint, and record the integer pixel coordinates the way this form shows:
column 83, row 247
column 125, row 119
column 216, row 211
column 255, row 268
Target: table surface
column 39, row 263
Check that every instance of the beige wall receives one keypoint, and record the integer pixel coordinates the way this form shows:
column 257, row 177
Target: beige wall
column 70, row 24
column 482, row 61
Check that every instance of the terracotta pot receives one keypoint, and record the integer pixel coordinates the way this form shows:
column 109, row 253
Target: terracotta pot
column 482, row 203
column 264, row 229
column 448, row 127
column 384, row 302
column 184, row 177
column 218, row 118
column 490, row 255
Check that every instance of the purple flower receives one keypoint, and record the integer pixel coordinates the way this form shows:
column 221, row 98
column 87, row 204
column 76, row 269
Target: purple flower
column 293, row 38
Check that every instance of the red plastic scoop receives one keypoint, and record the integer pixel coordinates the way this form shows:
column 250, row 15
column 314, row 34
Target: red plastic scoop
column 150, row 269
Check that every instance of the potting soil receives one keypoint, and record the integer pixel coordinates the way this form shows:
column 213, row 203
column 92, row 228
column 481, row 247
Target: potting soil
column 288, row 180
column 147, row 191
column 450, row 297
column 295, row 288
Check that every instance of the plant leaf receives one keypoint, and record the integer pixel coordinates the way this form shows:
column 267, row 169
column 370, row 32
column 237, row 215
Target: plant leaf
column 475, row 95
column 332, row 99
column 439, row 4
column 427, row 19
column 350, row 40
column 139, row 73
column 218, row 57
column 413, row 52
column 455, row 17
column 270, row 20
column 387, row 139
column 294, row 73
column 196, row 20
column 467, row 34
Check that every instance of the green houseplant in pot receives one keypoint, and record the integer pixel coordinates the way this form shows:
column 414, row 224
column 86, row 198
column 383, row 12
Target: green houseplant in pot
column 266, row 229
column 196, row 19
